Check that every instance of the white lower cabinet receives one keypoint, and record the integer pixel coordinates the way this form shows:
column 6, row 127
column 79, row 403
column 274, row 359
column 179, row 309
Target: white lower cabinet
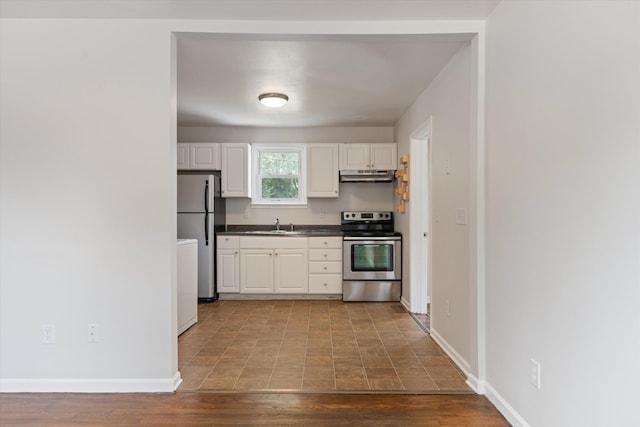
column 256, row 271
column 273, row 265
column 279, row 265
column 325, row 265
column 290, row 271
column 228, row 267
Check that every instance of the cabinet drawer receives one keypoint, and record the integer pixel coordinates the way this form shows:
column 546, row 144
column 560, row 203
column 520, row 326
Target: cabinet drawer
column 228, row 242
column 329, row 267
column 325, row 254
column 326, row 242
column 325, row 284
column 273, row 242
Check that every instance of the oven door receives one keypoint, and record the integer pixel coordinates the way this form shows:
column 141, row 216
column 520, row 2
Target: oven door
column 372, row 258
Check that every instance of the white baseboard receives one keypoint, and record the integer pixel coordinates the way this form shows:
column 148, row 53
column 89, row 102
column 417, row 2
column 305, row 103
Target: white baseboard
column 272, row 297
column 503, row 406
column 457, row 359
column 475, row 384
column 406, row 304
column 90, row 385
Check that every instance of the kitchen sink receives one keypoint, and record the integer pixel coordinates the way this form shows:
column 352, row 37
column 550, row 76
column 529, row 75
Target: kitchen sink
column 276, row 232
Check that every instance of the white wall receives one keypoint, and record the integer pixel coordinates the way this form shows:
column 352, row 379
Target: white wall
column 87, row 188
column 87, row 191
column 447, row 100
column 319, row 211
column 563, row 211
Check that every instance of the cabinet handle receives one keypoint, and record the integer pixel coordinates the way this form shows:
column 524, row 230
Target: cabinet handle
column 325, row 284
column 325, row 268
column 236, row 252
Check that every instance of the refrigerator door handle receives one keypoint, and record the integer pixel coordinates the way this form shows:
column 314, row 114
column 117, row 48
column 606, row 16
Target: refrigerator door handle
column 206, row 198
column 206, row 229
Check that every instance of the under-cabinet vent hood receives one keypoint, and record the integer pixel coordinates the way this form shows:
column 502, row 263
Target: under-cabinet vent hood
column 366, row 176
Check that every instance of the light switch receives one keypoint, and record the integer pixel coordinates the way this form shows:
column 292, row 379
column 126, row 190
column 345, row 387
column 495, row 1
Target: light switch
column 461, row 216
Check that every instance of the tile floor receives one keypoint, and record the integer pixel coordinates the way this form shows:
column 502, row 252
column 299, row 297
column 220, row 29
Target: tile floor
column 319, row 346
column 425, row 319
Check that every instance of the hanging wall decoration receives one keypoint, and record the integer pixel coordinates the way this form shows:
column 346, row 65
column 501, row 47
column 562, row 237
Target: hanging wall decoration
column 403, row 184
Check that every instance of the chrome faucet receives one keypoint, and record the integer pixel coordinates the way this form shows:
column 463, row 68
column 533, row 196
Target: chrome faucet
column 277, row 224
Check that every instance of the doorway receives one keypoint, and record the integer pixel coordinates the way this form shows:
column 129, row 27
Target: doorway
column 420, row 222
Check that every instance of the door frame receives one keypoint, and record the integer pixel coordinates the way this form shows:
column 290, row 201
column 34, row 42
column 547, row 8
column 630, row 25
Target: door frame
column 420, row 217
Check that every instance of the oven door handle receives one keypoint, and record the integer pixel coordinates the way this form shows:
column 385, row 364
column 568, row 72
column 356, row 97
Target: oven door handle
column 372, row 238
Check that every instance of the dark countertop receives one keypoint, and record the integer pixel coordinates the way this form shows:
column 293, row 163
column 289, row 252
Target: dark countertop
column 269, row 230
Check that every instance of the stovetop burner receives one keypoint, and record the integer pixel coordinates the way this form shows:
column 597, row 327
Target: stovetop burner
column 367, row 224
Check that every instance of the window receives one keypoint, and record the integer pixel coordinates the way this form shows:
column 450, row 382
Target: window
column 280, row 175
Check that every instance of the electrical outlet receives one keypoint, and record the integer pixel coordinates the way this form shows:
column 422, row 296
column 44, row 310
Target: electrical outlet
column 93, row 332
column 534, row 373
column 246, row 212
column 48, row 334
column 323, row 213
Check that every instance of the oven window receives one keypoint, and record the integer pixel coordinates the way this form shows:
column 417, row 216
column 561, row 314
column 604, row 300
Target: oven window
column 371, row 257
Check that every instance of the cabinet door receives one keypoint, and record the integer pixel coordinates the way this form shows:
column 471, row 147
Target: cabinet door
column 354, row 156
column 236, row 170
column 256, row 271
column 182, row 156
column 291, row 273
column 322, row 170
column 228, row 270
column 204, row 155
column 384, row 156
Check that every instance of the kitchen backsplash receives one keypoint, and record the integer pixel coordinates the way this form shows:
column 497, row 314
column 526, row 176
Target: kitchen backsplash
column 353, row 196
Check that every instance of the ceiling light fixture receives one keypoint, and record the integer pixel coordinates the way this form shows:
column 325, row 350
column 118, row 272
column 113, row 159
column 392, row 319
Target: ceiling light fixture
column 273, row 100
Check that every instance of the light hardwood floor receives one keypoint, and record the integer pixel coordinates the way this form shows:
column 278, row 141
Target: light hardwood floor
column 247, row 409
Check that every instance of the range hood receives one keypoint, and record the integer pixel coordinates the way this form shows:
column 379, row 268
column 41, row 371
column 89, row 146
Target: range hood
column 366, row 176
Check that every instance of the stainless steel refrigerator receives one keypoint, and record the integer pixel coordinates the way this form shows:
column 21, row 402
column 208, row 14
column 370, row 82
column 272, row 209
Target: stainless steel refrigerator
column 201, row 213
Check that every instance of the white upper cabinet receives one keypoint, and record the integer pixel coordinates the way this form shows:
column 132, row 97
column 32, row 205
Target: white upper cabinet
column 198, row 156
column 369, row 156
column 182, row 156
column 322, row 170
column 383, row 156
column 204, row 156
column 236, row 170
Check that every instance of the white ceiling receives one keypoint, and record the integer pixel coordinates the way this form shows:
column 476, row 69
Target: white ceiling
column 330, row 80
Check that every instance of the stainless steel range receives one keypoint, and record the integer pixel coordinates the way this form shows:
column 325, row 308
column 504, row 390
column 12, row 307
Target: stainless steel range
column 372, row 257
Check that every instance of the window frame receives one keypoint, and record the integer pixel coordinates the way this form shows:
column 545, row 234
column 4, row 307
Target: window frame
column 301, row 151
